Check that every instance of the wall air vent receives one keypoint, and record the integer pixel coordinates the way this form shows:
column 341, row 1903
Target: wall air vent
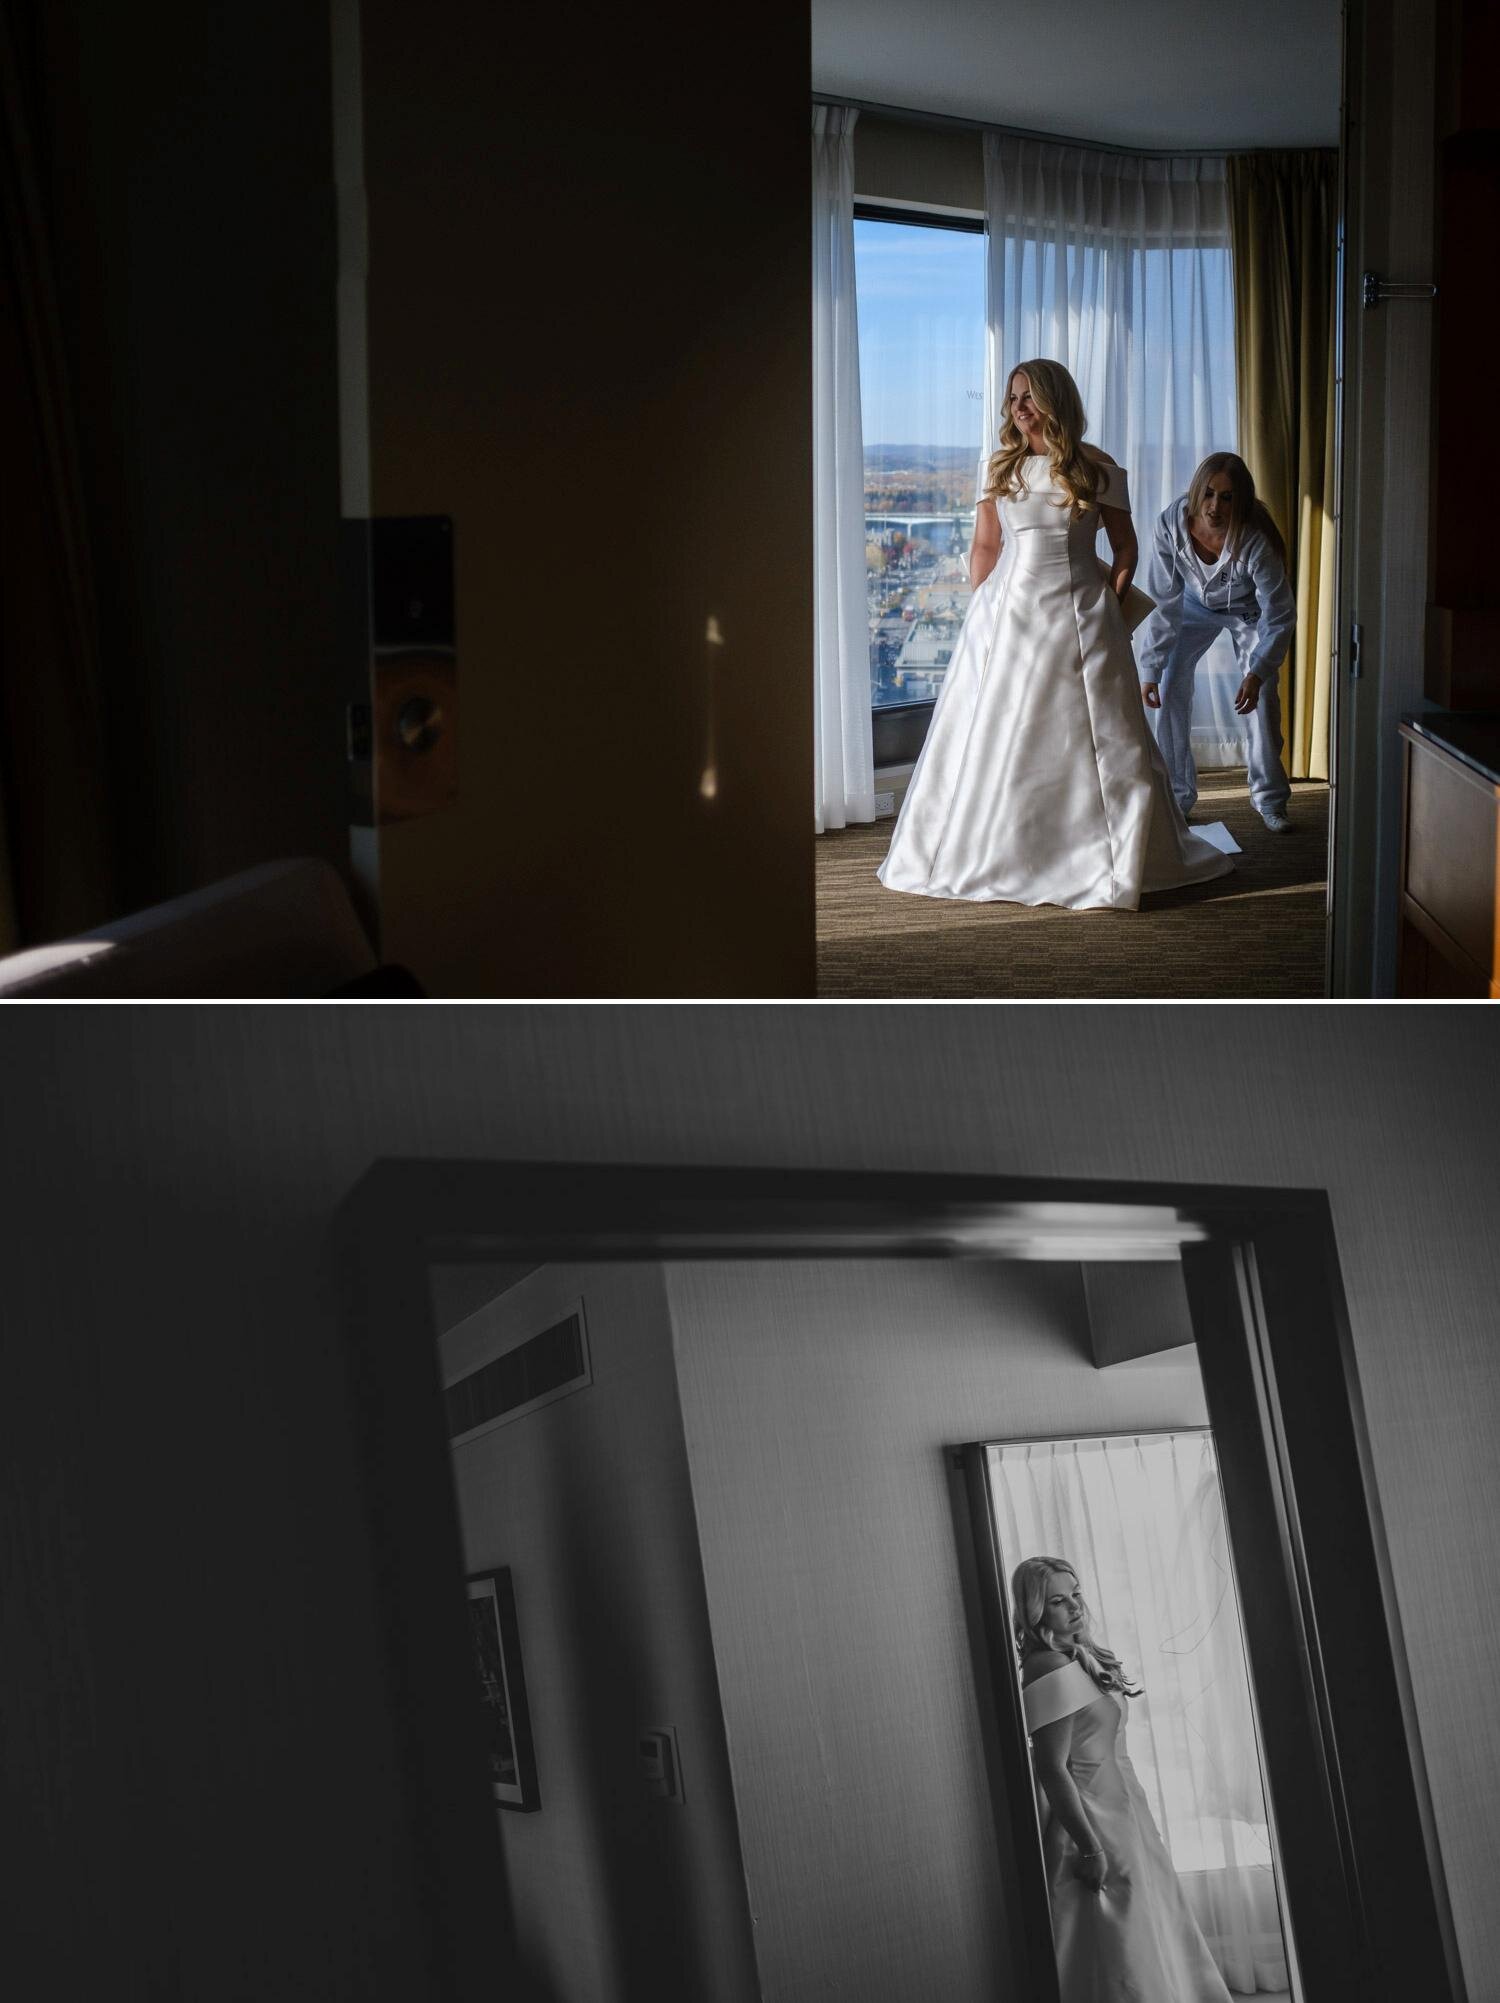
column 533, row 1372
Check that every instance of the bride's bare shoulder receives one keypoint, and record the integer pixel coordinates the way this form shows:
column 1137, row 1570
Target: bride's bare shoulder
column 1042, row 1664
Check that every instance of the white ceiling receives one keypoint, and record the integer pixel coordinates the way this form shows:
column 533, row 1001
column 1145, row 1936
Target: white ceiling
column 1150, row 73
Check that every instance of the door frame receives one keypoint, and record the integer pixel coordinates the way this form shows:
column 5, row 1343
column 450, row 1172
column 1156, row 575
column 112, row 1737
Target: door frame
column 1388, row 151
column 1344, row 1762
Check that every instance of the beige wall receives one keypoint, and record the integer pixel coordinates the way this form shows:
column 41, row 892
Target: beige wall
column 817, row 1400
column 588, row 1502
column 174, row 1399
column 588, row 345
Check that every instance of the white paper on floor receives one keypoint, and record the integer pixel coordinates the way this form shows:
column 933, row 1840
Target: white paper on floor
column 1218, row 836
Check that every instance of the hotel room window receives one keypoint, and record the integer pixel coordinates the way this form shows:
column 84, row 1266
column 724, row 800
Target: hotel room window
column 920, row 292
column 920, row 288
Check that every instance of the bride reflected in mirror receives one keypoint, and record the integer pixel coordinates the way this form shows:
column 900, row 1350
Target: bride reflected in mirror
column 1120, row 1923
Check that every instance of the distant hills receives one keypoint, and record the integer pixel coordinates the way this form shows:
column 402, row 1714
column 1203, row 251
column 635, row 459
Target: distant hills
column 920, row 458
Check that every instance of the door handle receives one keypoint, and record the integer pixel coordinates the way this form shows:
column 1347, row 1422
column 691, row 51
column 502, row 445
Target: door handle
column 419, row 723
column 402, row 720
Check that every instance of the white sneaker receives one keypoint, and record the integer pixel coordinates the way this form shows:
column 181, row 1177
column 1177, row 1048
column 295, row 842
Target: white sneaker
column 1276, row 821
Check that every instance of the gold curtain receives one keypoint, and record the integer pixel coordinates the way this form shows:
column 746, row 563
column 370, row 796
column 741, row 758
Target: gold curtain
column 1283, row 235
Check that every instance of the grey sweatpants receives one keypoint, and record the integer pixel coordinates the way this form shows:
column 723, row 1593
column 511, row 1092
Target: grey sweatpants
column 1269, row 787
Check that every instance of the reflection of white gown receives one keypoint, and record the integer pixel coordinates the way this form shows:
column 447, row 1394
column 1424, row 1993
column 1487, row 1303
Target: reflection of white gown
column 1135, row 1941
column 1040, row 781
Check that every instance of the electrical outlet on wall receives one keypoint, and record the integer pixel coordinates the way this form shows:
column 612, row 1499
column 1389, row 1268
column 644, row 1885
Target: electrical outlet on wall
column 656, row 1747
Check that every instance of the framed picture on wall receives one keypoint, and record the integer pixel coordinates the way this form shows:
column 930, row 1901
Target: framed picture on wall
column 502, row 1689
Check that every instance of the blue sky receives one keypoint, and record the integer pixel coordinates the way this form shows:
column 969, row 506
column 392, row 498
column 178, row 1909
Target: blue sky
column 921, row 334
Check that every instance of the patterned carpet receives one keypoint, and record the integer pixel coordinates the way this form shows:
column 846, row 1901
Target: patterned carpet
column 1258, row 933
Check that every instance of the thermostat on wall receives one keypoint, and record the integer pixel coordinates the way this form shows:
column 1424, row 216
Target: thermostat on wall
column 656, row 1747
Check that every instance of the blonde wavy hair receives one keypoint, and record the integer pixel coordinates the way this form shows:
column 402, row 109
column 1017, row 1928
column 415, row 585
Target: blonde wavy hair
column 1028, row 1593
column 1056, row 397
column 1247, row 512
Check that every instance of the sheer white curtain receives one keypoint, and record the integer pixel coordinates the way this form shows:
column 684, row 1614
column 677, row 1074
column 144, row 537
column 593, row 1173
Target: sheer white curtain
column 1142, row 1521
column 1119, row 268
column 843, row 738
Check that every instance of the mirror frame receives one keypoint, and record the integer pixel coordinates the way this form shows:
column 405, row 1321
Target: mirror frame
column 1344, row 1763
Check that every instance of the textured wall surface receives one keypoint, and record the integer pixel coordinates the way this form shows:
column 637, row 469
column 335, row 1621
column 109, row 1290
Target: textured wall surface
column 168, row 1174
column 588, row 1502
column 817, row 1399
column 581, row 856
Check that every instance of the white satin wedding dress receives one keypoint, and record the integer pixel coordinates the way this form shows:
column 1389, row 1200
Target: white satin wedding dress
column 1040, row 781
column 1134, row 1941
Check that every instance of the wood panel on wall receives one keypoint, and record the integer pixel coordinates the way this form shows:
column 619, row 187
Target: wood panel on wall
column 588, row 345
column 196, row 1568
column 1450, row 879
column 1390, row 84
column 1463, row 633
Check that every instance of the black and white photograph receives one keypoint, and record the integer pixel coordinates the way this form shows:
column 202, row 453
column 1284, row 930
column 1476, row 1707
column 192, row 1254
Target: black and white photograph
column 749, row 914
column 1023, row 1528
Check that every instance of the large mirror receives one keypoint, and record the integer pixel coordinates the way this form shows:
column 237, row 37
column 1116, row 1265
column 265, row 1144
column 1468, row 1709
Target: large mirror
column 725, row 1499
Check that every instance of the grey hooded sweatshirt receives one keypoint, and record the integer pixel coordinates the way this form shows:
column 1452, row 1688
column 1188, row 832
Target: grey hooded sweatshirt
column 1247, row 591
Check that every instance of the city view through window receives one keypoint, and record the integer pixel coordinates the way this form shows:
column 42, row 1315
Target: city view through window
column 920, row 292
column 921, row 371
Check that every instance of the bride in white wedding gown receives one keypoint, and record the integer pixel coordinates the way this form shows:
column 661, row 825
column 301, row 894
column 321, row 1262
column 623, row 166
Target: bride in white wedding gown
column 1122, row 1930
column 1040, row 781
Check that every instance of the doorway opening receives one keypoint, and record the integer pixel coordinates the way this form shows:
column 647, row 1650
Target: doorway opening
column 971, row 214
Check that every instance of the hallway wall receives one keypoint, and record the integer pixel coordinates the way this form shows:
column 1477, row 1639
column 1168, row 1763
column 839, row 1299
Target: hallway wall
column 588, row 1501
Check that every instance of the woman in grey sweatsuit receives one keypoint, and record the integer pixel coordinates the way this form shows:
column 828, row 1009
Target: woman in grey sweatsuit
column 1217, row 564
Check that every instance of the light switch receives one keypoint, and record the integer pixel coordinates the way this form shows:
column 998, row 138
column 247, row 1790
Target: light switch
column 656, row 1747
